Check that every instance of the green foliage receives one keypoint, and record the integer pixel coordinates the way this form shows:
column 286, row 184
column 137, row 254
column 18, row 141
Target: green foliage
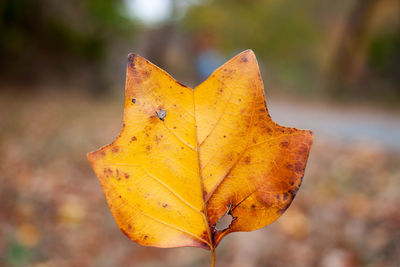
column 382, row 49
column 384, row 58
column 17, row 255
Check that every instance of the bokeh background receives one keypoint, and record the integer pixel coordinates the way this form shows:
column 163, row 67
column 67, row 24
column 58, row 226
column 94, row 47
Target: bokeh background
column 329, row 66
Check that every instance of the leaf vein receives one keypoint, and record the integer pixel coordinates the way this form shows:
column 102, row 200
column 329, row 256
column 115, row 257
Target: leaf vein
column 172, row 191
column 177, row 228
column 219, row 119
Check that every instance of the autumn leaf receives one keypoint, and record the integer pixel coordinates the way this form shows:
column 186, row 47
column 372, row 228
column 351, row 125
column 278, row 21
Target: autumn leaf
column 185, row 158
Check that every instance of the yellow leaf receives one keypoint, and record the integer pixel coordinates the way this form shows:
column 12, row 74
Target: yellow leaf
column 187, row 157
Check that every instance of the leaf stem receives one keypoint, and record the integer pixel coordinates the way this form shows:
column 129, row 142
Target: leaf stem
column 212, row 257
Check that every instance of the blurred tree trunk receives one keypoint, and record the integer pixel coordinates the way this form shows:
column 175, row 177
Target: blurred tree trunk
column 157, row 42
column 167, row 48
column 347, row 64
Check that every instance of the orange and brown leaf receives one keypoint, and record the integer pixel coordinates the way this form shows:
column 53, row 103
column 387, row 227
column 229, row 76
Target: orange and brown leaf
column 185, row 157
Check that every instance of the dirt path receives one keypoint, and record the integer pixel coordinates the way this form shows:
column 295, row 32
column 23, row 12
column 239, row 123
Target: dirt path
column 344, row 124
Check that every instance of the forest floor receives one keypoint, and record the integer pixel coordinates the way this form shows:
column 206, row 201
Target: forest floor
column 53, row 211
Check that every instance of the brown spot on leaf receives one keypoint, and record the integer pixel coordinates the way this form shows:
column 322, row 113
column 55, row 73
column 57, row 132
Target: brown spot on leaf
column 302, row 150
column 115, row 149
column 293, row 192
column 153, row 119
column 244, row 59
column 285, row 144
column 133, row 139
column 228, row 157
column 131, row 60
column 147, row 129
column 204, row 235
column 299, row 167
column 165, row 205
column 107, row 172
column 266, row 199
column 146, row 74
column 126, row 175
column 148, row 147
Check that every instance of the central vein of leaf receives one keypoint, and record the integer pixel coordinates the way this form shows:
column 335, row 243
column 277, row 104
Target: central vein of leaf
column 200, row 177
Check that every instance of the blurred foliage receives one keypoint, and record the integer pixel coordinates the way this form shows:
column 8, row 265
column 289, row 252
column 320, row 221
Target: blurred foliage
column 366, row 60
column 382, row 51
column 327, row 47
column 17, row 255
column 384, row 59
column 345, row 49
column 284, row 34
column 52, row 34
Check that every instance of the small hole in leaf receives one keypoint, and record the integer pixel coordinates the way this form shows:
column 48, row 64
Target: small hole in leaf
column 133, row 100
column 161, row 114
column 224, row 222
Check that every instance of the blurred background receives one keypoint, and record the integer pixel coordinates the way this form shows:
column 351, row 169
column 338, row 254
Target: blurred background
column 329, row 66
